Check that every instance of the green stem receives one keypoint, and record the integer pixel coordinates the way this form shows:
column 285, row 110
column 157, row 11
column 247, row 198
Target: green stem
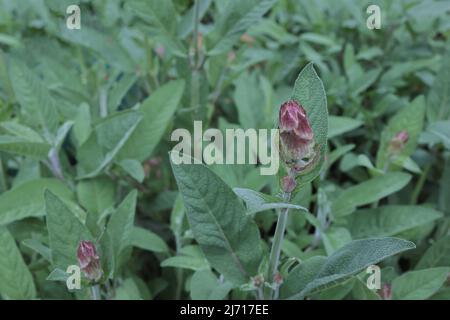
column 95, row 292
column 277, row 241
column 4, row 180
column 420, row 183
column 195, row 36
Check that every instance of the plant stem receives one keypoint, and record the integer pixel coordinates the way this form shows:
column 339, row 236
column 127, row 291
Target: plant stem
column 195, row 36
column 55, row 164
column 277, row 241
column 95, row 292
column 4, row 180
column 420, row 183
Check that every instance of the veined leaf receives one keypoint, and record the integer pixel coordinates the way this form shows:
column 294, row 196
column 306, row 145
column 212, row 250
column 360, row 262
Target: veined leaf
column 340, row 125
column 65, row 231
column 157, row 110
column 309, row 92
column 419, row 285
column 368, row 191
column 27, row 199
column 227, row 235
column 389, row 220
column 438, row 255
column 350, row 260
column 16, row 281
column 148, row 240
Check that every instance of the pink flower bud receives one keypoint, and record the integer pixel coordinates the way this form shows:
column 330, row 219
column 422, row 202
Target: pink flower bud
column 258, row 281
column 89, row 261
column 278, row 278
column 296, row 135
column 397, row 143
column 288, row 184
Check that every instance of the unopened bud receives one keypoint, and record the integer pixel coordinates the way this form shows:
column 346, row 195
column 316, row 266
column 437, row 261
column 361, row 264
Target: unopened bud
column 397, row 143
column 278, row 278
column 89, row 261
column 258, row 281
column 296, row 135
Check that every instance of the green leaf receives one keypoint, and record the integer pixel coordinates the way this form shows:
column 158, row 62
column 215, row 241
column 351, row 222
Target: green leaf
column 16, row 145
column 257, row 201
column 58, row 275
column 16, row 281
column 227, row 235
column 309, row 92
column 34, row 97
column 437, row 255
column 352, row 259
column 368, row 191
column 185, row 262
column 96, row 195
column 14, row 205
column 162, row 17
column 237, row 18
column 133, row 168
column 419, row 285
column 389, row 220
column 410, row 119
column 120, row 225
column 300, row 276
column 206, row 286
column 38, row 247
column 82, row 125
column 65, row 231
column 437, row 132
column 339, row 125
column 104, row 144
column 157, row 111
column 438, row 100
column 147, row 240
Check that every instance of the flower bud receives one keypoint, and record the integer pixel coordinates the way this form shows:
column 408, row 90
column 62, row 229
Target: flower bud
column 89, row 261
column 397, row 143
column 278, row 278
column 258, row 281
column 296, row 135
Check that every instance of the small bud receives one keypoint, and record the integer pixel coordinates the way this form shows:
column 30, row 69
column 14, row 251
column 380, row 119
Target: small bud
column 386, row 292
column 89, row 261
column 278, row 278
column 296, row 135
column 288, row 184
column 397, row 143
column 258, row 281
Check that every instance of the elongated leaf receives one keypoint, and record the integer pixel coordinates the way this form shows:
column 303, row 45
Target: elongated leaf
column 34, row 97
column 105, row 143
column 27, row 199
column 16, row 145
column 65, row 231
column 206, row 286
column 162, row 17
column 185, row 262
column 438, row 101
column 237, row 18
column 438, row 255
column 157, row 111
column 340, row 125
column 96, row 195
column 147, row 240
column 257, row 201
column 120, row 225
column 388, row 221
column 227, row 236
column 352, row 259
column 16, row 281
column 309, row 92
column 409, row 119
column 368, row 191
column 419, row 285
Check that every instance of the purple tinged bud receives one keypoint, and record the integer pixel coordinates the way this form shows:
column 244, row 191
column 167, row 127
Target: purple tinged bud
column 296, row 135
column 89, row 261
column 386, row 292
column 397, row 143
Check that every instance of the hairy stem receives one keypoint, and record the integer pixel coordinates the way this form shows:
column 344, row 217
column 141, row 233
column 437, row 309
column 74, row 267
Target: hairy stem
column 95, row 292
column 277, row 242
